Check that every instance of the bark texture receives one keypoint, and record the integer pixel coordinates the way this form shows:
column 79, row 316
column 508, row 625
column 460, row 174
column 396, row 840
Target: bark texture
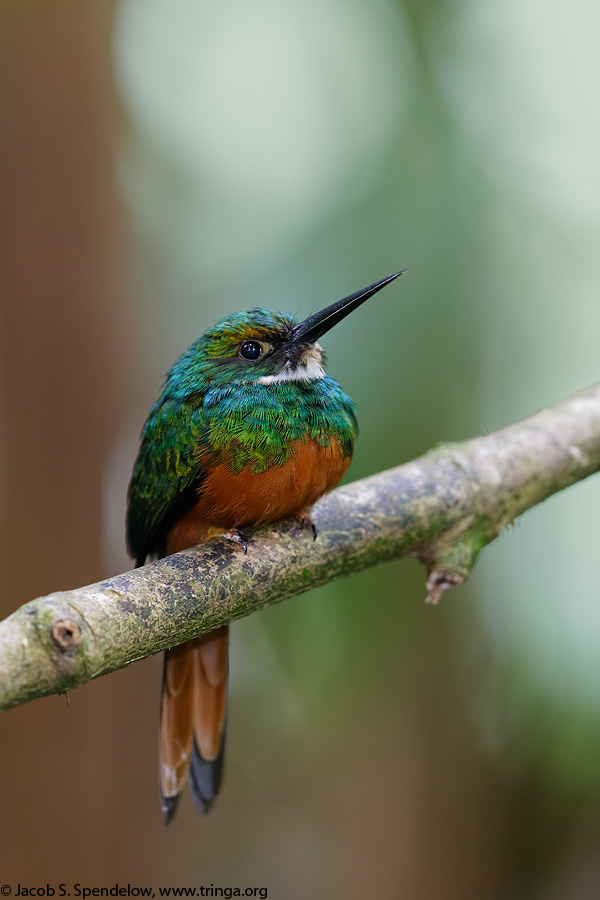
column 442, row 508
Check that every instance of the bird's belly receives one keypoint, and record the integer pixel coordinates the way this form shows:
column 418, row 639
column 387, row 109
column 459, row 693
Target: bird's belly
column 233, row 500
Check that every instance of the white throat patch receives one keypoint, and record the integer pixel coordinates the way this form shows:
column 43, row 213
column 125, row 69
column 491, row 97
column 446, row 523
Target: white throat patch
column 308, row 369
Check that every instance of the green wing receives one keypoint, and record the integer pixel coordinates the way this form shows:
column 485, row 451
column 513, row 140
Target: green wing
column 166, row 476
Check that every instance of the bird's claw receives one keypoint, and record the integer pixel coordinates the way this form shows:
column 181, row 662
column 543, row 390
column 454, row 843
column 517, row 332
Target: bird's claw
column 306, row 521
column 239, row 537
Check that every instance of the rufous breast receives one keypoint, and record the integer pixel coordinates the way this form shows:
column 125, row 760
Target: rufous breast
column 233, row 500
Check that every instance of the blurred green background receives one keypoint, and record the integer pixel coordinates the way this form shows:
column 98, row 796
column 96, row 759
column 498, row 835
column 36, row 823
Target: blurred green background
column 165, row 163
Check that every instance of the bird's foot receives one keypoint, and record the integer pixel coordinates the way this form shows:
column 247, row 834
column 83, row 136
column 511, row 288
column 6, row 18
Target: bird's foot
column 306, row 522
column 234, row 534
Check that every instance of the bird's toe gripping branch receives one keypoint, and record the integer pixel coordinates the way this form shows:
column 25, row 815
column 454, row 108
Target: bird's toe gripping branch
column 306, row 522
column 234, row 534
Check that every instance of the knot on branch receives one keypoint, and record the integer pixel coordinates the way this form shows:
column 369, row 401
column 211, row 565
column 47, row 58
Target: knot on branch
column 66, row 634
column 64, row 637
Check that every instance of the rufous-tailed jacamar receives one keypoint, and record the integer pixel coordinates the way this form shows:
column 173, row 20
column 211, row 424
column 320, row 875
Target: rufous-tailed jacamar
column 248, row 429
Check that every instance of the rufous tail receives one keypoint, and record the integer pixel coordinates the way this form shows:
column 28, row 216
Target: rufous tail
column 193, row 721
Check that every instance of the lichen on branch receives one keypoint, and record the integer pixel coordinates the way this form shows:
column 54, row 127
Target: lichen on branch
column 442, row 508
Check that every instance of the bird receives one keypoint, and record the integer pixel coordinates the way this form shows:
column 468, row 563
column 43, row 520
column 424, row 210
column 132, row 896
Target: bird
column 248, row 430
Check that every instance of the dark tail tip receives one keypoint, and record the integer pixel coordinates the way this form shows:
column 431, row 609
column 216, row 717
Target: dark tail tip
column 168, row 807
column 204, row 778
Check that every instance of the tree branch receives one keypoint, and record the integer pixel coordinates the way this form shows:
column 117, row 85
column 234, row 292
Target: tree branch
column 442, row 508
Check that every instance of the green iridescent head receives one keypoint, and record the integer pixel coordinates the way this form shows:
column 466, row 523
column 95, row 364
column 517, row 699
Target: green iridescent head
column 262, row 347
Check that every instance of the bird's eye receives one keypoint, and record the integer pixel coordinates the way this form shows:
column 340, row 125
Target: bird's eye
column 250, row 350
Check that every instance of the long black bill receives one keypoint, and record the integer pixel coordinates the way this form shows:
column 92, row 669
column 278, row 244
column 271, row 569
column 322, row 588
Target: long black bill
column 316, row 325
